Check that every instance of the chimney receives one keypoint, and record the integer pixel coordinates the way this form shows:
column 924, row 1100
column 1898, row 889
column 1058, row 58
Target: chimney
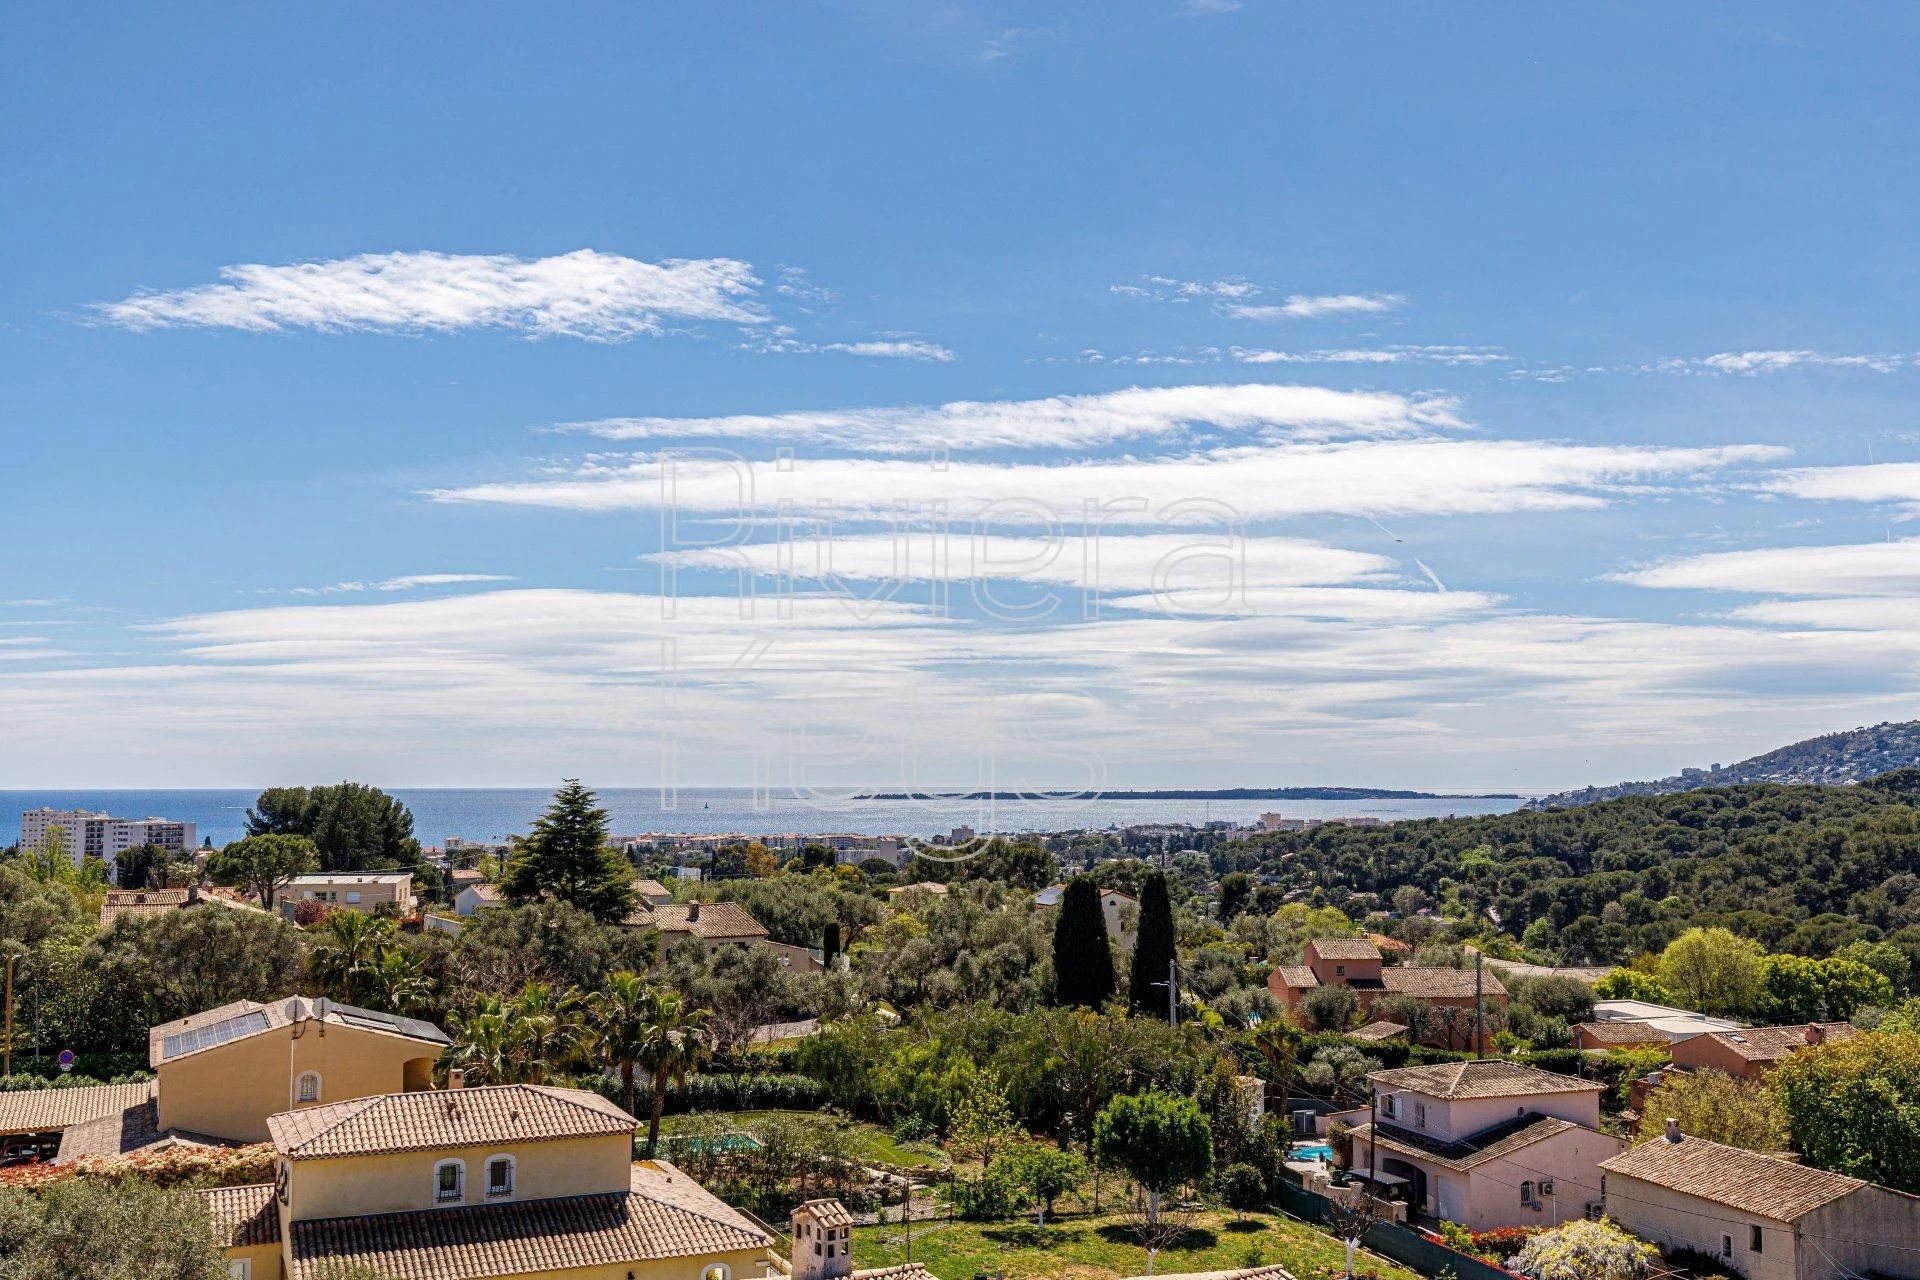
column 1673, row 1129
column 693, row 912
column 457, row 1079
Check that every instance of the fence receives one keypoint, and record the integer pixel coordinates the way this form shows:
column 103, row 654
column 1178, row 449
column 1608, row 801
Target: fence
column 1407, row 1247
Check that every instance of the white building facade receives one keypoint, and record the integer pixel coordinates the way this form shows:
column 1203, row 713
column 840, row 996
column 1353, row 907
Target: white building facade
column 103, row 836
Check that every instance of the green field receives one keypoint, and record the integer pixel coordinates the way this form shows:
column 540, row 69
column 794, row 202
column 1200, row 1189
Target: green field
column 871, row 1141
column 1082, row 1247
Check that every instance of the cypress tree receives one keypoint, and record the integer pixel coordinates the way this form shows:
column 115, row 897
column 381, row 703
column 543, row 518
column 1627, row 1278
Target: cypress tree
column 1152, row 948
column 1082, row 960
column 830, row 945
column 567, row 859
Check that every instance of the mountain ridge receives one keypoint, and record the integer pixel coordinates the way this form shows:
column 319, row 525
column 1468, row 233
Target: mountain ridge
column 1833, row 759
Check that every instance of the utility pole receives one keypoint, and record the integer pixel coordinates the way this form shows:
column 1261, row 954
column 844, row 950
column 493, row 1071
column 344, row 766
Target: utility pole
column 1173, row 993
column 1479, row 1012
column 8, row 1070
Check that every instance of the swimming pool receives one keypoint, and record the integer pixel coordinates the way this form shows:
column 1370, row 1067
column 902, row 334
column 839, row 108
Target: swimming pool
column 1317, row 1151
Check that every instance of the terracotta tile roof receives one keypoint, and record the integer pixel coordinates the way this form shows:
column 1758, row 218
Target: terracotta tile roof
column 899, row 1271
column 1622, row 1032
column 51, row 1110
column 461, row 877
column 714, row 921
column 529, row 1235
column 1489, row 1144
column 143, row 902
column 1296, row 976
column 1770, row 1044
column 1382, row 1030
column 1273, row 1272
column 1437, row 982
column 1748, row 1181
column 651, row 889
column 440, row 1118
column 828, row 1213
column 243, row 1216
column 1345, row 949
column 1483, row 1078
column 1386, row 943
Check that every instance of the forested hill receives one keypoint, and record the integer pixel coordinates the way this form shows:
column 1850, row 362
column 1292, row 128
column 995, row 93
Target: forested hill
column 1833, row 760
column 1801, row 868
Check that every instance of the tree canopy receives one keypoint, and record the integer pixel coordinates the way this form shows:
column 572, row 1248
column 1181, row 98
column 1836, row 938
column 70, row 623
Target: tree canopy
column 1082, row 957
column 566, row 859
column 354, row 827
column 1153, row 950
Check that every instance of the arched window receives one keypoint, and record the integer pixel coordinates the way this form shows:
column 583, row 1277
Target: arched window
column 307, row 1088
column 450, row 1182
column 499, row 1177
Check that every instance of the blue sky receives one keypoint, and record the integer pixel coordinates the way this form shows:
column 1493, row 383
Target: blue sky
column 1538, row 386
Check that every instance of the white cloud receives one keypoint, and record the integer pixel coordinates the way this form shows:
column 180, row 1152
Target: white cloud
column 1872, row 482
column 1375, row 477
column 1210, row 8
column 1445, row 354
column 1312, row 307
column 901, row 349
column 1749, row 363
column 584, row 294
column 406, row 582
column 1863, row 569
column 1062, row 421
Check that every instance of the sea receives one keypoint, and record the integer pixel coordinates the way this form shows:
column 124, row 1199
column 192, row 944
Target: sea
column 492, row 814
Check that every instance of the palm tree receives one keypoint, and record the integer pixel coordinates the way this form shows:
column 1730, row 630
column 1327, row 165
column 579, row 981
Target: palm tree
column 636, row 1027
column 549, row 1024
column 397, row 982
column 349, row 945
column 487, row 1042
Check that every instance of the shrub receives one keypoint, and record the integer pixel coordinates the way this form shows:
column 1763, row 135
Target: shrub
column 745, row 1093
column 1242, row 1187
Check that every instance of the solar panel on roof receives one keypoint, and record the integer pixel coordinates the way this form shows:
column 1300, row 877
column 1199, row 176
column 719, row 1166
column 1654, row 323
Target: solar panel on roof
column 181, row 1043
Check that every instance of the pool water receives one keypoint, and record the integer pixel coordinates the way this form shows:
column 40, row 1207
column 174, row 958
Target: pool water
column 1320, row 1151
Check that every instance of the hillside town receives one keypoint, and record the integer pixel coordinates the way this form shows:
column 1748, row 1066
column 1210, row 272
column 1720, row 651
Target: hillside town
column 325, row 1050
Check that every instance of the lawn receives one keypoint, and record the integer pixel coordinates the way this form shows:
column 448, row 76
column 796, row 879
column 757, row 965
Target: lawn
column 1084, row 1247
column 871, row 1141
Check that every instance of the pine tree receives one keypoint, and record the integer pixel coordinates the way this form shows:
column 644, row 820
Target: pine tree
column 567, row 859
column 1082, row 960
column 1152, row 948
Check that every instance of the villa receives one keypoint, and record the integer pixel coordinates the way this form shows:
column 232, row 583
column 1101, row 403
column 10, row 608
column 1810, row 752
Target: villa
column 1356, row 963
column 1485, row 1143
column 1121, row 910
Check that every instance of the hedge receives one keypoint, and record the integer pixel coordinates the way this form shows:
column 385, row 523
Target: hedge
column 718, row 1092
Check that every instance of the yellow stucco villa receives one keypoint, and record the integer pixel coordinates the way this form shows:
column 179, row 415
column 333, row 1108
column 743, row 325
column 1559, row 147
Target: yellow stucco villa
column 220, row 1074
column 524, row 1181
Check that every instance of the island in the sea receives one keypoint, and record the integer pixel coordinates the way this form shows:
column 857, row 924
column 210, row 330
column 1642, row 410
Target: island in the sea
column 1223, row 793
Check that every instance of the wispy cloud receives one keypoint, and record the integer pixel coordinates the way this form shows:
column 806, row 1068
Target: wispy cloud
column 1750, row 363
column 406, row 582
column 897, row 349
column 1312, row 307
column 1373, row 477
column 1446, row 354
column 1859, row 569
column 1209, row 8
column 585, row 294
column 1063, row 421
column 1237, row 297
column 1871, row 482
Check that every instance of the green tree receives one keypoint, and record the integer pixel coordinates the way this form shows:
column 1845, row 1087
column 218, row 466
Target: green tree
column 500, row 951
column 354, row 827
column 1802, row 990
column 1330, row 1008
column 1082, row 957
column 261, row 865
column 1712, row 971
column 1853, row 1106
column 1044, row 1172
column 1884, row 957
column 146, row 970
column 347, row 949
column 1718, row 1108
column 567, row 859
column 635, row 1026
column 1160, row 1139
column 1236, row 895
column 1631, row 984
column 90, row 1229
column 1152, row 950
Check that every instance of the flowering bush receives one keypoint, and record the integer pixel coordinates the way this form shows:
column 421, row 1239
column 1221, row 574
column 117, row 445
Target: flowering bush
column 1502, row 1242
column 1584, row 1251
column 173, row 1167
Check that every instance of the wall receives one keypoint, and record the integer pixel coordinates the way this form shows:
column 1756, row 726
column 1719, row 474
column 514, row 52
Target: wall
column 1403, row 1245
column 1488, row 1195
column 264, row 1257
column 1708, row 1053
column 229, row 1091
column 1874, row 1230
column 401, row 1181
column 1676, row 1220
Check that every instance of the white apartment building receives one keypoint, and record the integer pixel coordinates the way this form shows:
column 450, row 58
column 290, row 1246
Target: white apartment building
column 104, row 836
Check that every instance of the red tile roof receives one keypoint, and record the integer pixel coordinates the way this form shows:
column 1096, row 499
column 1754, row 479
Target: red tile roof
column 441, row 1118
column 1482, row 1078
column 1744, row 1180
column 243, row 1216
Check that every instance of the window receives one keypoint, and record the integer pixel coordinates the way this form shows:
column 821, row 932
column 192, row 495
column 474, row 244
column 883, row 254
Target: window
column 449, row 1182
column 1339, row 971
column 1753, row 1238
column 1726, row 1246
column 240, row 1269
column 1387, row 1107
column 499, row 1176
column 307, row 1089
column 718, row 1271
column 1526, row 1193
column 1420, row 1115
column 353, row 896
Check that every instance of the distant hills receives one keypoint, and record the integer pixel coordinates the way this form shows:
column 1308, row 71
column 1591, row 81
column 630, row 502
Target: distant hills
column 1837, row 759
column 1222, row 793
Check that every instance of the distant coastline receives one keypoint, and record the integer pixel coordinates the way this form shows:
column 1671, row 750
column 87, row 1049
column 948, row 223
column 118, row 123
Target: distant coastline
column 1227, row 793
